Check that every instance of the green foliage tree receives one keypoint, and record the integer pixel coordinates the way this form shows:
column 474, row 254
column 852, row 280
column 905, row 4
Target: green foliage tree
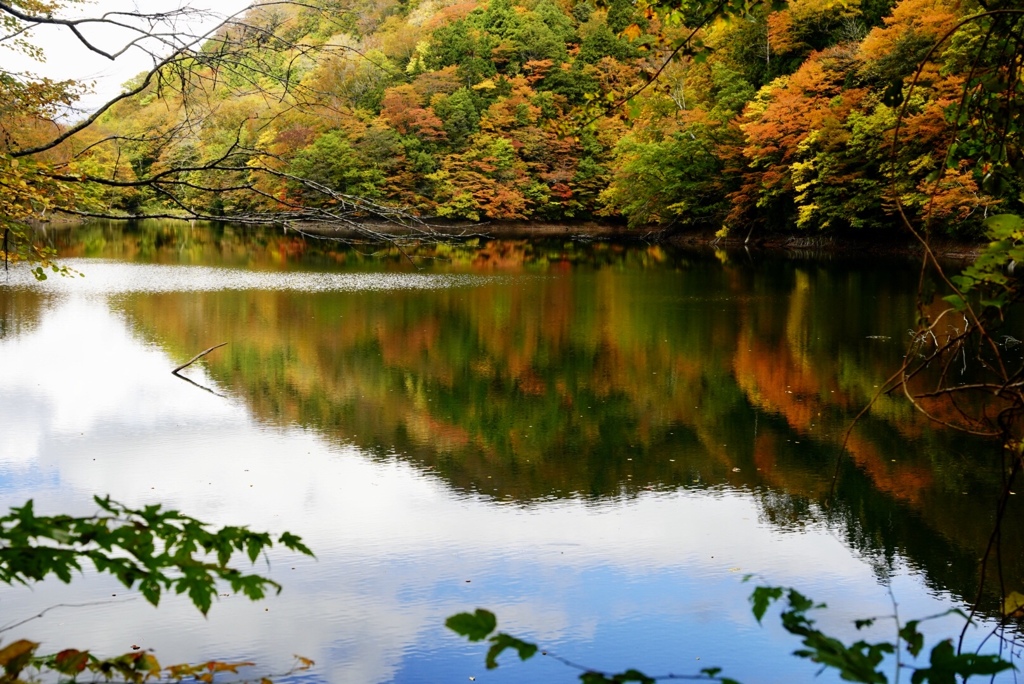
column 602, row 42
column 675, row 177
column 332, row 162
column 460, row 115
column 500, row 19
column 621, row 13
column 534, row 39
column 461, row 45
column 556, row 20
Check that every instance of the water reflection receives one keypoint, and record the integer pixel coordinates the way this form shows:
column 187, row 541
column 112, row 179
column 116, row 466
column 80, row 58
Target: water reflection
column 606, row 384
column 601, row 441
column 397, row 552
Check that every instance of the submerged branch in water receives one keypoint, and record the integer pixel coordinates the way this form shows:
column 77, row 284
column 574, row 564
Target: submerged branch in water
column 197, row 357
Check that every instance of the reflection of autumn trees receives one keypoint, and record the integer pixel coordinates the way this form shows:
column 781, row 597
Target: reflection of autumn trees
column 812, row 380
column 179, row 242
column 780, row 380
column 630, row 372
column 20, row 311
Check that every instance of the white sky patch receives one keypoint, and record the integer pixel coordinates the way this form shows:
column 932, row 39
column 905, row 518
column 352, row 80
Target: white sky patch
column 68, row 58
column 58, row 384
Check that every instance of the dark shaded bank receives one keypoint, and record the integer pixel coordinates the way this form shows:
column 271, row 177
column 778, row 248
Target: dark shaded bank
column 895, row 243
column 810, row 245
column 504, row 230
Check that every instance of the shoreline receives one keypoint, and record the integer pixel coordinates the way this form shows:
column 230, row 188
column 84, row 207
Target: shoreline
column 794, row 245
column 853, row 246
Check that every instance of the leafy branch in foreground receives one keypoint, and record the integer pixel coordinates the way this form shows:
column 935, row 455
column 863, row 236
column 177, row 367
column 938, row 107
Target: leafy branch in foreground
column 480, row 625
column 863, row 661
column 991, row 274
column 154, row 548
column 860, row 661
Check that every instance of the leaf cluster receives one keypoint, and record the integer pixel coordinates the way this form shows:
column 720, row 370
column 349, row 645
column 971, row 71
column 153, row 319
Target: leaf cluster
column 480, row 625
column 152, row 548
column 992, row 272
column 860, row 661
column 863, row 661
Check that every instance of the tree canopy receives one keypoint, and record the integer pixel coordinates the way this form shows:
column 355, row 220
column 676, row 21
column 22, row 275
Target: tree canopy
column 737, row 115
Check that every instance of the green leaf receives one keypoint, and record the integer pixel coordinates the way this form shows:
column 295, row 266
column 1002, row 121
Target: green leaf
column 474, row 626
column 150, row 589
column 633, row 676
column 800, row 603
column 996, row 302
column 913, row 638
column 762, row 598
column 151, row 547
column 956, row 301
column 502, row 641
column 1003, row 226
column 293, row 542
column 946, row 665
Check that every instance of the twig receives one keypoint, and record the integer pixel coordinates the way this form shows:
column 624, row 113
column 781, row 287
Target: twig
column 42, row 613
column 197, row 357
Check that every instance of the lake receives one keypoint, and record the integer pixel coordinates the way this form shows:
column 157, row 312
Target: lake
column 597, row 442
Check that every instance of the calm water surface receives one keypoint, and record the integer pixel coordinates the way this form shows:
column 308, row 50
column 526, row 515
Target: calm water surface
column 597, row 442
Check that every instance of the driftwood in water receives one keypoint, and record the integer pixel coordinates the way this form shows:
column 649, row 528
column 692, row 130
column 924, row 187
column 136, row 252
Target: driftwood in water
column 197, row 357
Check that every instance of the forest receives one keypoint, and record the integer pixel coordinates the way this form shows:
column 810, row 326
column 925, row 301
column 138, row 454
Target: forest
column 727, row 119
column 778, row 118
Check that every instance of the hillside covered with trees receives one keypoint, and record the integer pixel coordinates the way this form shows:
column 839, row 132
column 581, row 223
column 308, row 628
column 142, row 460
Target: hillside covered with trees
column 553, row 110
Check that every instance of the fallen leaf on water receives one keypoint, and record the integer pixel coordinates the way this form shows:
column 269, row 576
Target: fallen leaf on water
column 1013, row 606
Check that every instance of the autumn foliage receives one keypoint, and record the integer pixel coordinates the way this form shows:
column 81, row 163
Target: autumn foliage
column 494, row 110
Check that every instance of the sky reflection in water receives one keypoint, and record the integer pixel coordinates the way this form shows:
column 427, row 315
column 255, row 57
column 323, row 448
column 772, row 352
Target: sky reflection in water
column 651, row 580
